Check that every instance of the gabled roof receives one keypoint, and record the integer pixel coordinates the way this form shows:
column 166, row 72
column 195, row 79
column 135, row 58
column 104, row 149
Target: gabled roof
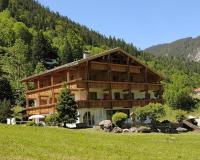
column 75, row 63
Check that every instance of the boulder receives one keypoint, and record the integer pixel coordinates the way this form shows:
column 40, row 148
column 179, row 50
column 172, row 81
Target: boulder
column 181, row 129
column 106, row 125
column 126, row 130
column 117, row 130
column 144, row 129
column 133, row 129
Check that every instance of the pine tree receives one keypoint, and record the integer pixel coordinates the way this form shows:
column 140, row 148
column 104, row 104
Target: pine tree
column 67, row 56
column 39, row 68
column 41, row 49
column 76, row 43
column 5, row 90
column 67, row 107
column 3, row 4
column 5, row 110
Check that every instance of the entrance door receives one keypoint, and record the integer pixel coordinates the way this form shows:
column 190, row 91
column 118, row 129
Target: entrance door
column 88, row 119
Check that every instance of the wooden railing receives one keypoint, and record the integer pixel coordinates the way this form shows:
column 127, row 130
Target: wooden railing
column 42, row 109
column 115, row 67
column 116, row 103
column 52, row 86
column 50, row 108
column 119, row 85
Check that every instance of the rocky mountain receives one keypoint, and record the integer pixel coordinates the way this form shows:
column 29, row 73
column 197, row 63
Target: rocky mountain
column 187, row 47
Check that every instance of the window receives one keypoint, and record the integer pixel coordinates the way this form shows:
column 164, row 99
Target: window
column 147, row 95
column 93, row 77
column 117, row 95
column 125, row 96
column 71, row 77
column 106, row 96
column 132, row 96
column 93, row 95
column 115, row 78
column 131, row 78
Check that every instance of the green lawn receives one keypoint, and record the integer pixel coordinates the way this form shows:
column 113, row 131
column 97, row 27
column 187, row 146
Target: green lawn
column 30, row 143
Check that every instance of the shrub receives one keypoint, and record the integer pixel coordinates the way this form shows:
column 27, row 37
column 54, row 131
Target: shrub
column 19, row 112
column 31, row 123
column 118, row 118
column 181, row 115
column 52, row 119
column 153, row 111
column 40, row 124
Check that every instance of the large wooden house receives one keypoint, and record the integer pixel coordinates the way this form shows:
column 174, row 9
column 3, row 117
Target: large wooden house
column 101, row 84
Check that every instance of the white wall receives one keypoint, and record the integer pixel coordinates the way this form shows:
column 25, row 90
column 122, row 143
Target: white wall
column 138, row 94
column 151, row 94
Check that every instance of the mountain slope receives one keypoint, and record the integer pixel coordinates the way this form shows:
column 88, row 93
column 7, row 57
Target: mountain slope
column 187, row 47
column 34, row 15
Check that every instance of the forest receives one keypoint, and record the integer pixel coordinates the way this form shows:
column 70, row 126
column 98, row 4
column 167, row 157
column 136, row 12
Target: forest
column 33, row 39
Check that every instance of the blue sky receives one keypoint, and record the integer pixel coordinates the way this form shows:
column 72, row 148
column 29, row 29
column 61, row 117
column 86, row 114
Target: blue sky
column 142, row 22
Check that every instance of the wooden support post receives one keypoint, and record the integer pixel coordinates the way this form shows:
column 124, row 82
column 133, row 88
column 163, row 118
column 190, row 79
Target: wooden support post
column 129, row 86
column 110, row 79
column 39, row 99
column 128, row 70
column 67, row 75
column 38, row 94
column 145, row 75
column 129, row 96
column 87, row 85
column 78, row 74
column 38, row 84
column 146, row 92
column 52, row 90
column 27, row 102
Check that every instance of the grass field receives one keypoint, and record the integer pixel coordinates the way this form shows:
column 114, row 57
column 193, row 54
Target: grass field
column 31, row 143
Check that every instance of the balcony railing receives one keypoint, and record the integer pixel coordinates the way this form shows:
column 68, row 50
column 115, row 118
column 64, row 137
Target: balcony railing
column 116, row 103
column 102, row 66
column 50, row 108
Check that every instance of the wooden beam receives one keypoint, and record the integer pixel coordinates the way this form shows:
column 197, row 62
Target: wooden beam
column 38, row 84
column 110, row 78
column 128, row 69
column 145, row 75
column 52, row 90
column 87, row 84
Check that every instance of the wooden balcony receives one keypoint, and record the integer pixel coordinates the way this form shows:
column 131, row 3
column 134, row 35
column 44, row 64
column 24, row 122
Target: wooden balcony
column 102, row 66
column 50, row 108
column 118, row 85
column 119, row 68
column 116, row 103
column 43, row 109
column 99, row 66
column 135, row 69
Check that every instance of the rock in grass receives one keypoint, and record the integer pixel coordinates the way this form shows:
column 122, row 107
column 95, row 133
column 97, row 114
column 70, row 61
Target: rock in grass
column 181, row 129
column 106, row 125
column 126, row 130
column 144, row 129
column 133, row 129
column 117, row 130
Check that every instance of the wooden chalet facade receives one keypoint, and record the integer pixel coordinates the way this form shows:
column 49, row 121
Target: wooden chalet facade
column 101, row 84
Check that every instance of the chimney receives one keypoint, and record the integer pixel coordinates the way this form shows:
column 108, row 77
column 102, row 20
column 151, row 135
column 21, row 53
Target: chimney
column 85, row 54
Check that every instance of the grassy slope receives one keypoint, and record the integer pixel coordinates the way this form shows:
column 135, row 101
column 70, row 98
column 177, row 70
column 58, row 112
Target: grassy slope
column 20, row 142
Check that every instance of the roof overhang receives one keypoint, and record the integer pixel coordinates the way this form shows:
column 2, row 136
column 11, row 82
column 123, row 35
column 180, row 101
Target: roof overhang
column 75, row 63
